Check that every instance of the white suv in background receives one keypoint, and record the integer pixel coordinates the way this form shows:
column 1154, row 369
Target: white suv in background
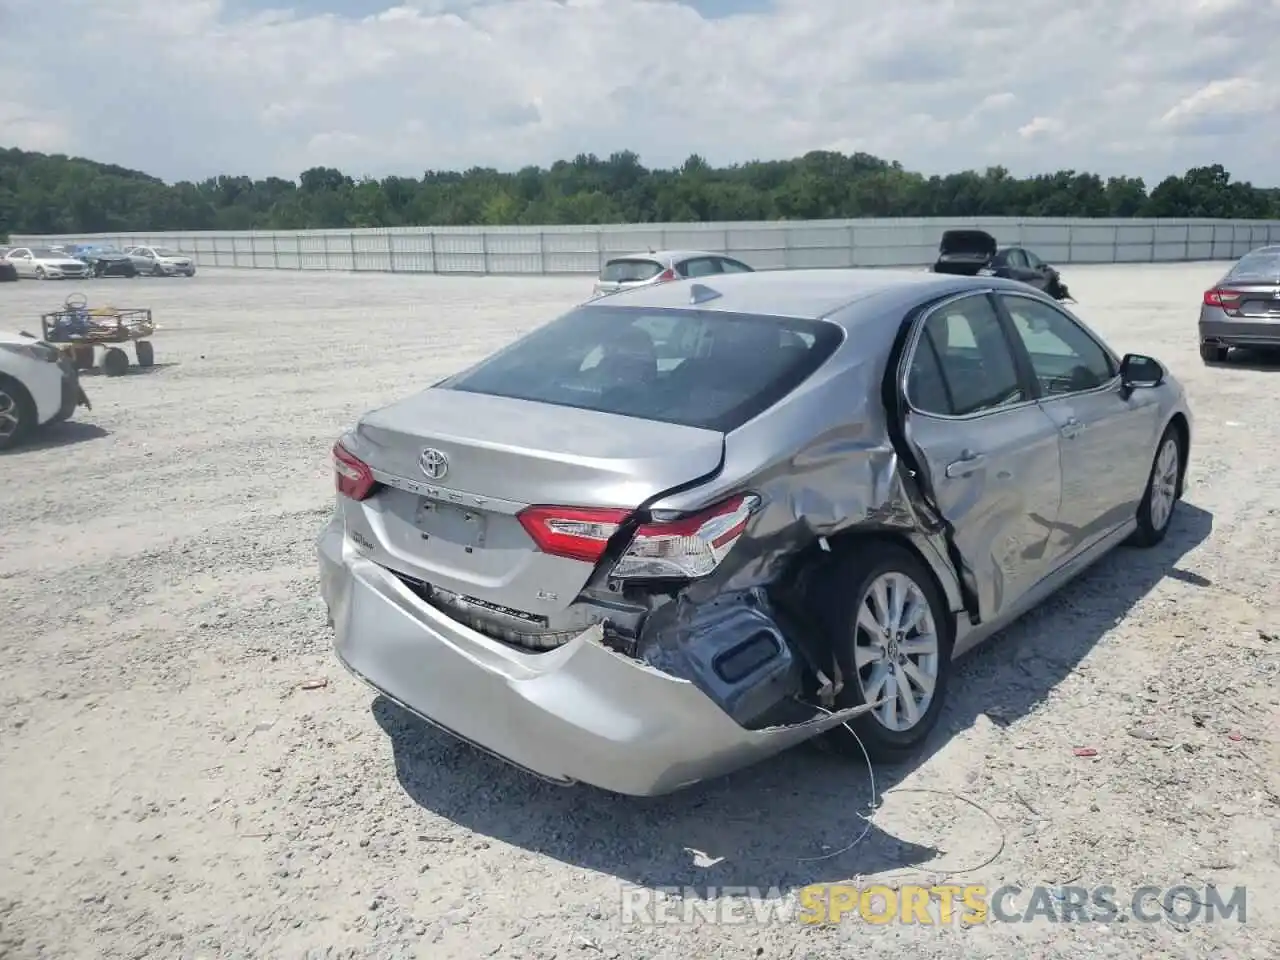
column 37, row 387
column 161, row 262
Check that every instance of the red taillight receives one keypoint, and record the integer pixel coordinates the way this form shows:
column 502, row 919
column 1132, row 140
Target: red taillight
column 353, row 476
column 665, row 275
column 577, row 533
column 687, row 548
column 1226, row 299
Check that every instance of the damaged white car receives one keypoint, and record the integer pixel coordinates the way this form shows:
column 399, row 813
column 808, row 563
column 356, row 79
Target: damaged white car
column 694, row 524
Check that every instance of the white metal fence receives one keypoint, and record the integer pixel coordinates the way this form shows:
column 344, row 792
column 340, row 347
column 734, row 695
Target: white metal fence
column 771, row 245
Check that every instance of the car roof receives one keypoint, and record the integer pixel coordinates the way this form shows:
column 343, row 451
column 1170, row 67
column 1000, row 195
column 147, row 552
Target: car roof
column 808, row 294
column 665, row 255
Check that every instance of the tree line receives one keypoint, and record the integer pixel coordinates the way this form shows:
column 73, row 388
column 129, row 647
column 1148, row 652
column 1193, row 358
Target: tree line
column 55, row 194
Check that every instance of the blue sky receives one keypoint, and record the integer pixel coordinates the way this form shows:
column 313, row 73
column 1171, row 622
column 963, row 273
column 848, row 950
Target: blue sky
column 203, row 87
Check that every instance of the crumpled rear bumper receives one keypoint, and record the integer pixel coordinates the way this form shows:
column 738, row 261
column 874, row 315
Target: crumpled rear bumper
column 580, row 713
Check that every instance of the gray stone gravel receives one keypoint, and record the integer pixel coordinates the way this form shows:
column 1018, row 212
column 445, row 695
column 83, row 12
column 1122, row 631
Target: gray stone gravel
column 172, row 787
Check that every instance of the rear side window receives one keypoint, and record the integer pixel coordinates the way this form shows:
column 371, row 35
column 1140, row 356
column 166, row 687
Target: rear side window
column 696, row 368
column 963, row 364
column 630, row 271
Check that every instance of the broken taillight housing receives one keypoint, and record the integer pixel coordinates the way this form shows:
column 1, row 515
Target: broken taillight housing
column 353, row 477
column 687, row 548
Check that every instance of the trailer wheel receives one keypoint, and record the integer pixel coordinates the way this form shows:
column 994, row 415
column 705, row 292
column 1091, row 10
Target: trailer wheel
column 82, row 357
column 146, row 353
column 115, row 362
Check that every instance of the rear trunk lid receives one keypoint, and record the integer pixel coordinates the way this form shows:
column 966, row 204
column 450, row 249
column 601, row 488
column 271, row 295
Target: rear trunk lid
column 1258, row 300
column 964, row 252
column 457, row 467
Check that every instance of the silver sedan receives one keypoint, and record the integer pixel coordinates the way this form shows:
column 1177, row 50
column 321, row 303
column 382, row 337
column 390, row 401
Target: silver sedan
column 688, row 526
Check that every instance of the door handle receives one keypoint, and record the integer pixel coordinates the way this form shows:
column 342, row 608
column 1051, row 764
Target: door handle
column 968, row 462
column 1071, row 428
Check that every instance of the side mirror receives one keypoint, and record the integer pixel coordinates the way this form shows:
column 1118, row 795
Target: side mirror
column 1138, row 371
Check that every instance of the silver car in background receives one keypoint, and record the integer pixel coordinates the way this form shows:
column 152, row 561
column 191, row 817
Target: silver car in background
column 161, row 262
column 46, row 263
column 662, row 266
column 1243, row 308
column 690, row 525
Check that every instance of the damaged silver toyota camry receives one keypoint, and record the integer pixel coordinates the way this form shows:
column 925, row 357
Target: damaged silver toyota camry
column 685, row 527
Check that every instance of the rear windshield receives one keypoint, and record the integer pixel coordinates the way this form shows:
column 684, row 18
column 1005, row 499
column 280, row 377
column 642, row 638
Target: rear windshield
column 697, row 368
column 1259, row 265
column 630, row 271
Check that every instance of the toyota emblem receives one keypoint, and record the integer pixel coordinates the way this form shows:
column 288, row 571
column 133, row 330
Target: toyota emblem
column 433, row 463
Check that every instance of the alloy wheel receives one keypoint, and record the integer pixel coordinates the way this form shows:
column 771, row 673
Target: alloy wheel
column 896, row 650
column 1164, row 483
column 9, row 415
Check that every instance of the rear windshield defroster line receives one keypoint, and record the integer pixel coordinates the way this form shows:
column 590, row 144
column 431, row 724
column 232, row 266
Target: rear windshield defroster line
column 696, row 368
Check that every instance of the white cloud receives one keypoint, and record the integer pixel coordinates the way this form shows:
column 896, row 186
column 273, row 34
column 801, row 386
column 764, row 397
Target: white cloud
column 1042, row 128
column 200, row 87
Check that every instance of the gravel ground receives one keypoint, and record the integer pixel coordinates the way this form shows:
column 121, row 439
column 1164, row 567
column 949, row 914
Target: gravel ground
column 187, row 772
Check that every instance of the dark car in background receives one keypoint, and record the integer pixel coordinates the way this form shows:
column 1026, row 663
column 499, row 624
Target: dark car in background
column 975, row 253
column 104, row 261
column 8, row 272
column 1243, row 308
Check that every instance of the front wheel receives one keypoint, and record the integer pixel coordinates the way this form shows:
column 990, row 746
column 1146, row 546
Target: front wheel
column 17, row 413
column 892, row 634
column 1162, row 493
column 40, row 274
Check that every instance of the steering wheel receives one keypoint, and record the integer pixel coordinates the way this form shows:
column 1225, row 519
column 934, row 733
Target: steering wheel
column 77, row 301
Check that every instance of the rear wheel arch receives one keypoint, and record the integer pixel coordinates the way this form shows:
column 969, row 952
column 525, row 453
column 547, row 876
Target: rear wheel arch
column 943, row 577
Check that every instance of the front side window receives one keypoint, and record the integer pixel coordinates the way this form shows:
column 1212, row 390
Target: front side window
column 1065, row 358
column 697, row 368
column 962, row 363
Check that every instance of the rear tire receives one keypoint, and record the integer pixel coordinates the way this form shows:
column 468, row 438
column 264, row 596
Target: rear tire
column 115, row 362
column 1213, row 353
column 918, row 657
column 82, row 357
column 17, row 413
column 1164, row 489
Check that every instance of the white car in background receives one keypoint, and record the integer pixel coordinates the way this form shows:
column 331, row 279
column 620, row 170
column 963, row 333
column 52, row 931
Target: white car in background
column 161, row 262
column 661, row 266
column 46, row 263
column 37, row 387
